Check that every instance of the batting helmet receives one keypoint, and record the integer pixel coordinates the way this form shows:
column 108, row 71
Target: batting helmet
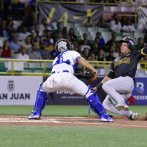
column 129, row 41
column 62, row 45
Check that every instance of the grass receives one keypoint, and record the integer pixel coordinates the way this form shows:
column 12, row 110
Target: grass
column 69, row 136
column 59, row 110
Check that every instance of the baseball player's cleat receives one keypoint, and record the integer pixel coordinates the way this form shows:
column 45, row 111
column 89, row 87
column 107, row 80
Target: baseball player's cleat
column 106, row 118
column 122, row 107
column 35, row 115
column 134, row 116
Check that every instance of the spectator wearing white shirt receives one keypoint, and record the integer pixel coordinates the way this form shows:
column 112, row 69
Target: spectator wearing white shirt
column 38, row 31
column 116, row 27
column 22, row 54
column 23, row 34
column 112, row 22
column 85, row 45
column 27, row 43
column 129, row 28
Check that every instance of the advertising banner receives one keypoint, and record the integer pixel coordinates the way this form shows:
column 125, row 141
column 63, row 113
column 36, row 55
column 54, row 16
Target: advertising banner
column 139, row 91
column 70, row 13
column 64, row 97
column 19, row 90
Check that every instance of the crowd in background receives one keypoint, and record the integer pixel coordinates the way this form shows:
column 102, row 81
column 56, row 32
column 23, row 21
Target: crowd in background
column 33, row 40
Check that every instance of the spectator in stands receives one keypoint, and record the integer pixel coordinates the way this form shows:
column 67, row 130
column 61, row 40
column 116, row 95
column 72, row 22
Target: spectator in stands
column 34, row 54
column 49, row 34
column 85, row 38
column 4, row 31
column 15, row 45
column 64, row 32
column 43, row 23
column 129, row 28
column 6, row 51
column 97, row 40
column 37, row 40
column 101, row 56
column 59, row 36
column 85, row 45
column 145, row 37
column 22, row 54
column 95, row 49
column 72, row 35
column 116, row 27
column 45, row 54
column 139, row 46
column 92, row 57
column 48, row 39
column 85, row 53
column 27, row 43
column 124, row 21
column 33, row 36
column 111, row 41
column 101, row 40
column 22, row 36
column 110, row 56
column 9, row 26
column 89, row 23
column 115, row 53
column 68, row 37
column 11, row 36
column 59, row 29
column 38, row 31
column 75, row 45
column 79, row 50
column 112, row 22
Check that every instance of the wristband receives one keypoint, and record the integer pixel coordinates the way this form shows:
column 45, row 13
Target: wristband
column 99, row 86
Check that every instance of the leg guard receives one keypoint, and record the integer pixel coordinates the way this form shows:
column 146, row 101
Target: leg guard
column 41, row 100
column 96, row 105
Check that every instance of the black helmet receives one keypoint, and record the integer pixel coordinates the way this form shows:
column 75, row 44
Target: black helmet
column 129, row 41
column 62, row 45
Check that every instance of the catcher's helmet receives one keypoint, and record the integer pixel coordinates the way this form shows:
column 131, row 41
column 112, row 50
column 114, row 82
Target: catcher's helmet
column 62, row 45
column 129, row 41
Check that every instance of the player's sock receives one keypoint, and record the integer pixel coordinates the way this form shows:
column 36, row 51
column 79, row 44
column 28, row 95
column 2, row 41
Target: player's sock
column 95, row 102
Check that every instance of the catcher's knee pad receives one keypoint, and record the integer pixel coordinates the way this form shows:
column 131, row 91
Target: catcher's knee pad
column 94, row 102
column 41, row 99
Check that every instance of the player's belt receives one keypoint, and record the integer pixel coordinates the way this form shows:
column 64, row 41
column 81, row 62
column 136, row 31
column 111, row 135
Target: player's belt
column 59, row 71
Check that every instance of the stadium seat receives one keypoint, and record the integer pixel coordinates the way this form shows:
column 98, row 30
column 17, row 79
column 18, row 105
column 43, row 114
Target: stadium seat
column 48, row 65
column 2, row 67
column 103, row 29
column 3, row 38
column 69, row 25
column 137, row 31
column 106, row 35
column 128, row 34
column 17, row 24
column 79, row 25
column 34, row 65
column 137, row 35
column 119, row 37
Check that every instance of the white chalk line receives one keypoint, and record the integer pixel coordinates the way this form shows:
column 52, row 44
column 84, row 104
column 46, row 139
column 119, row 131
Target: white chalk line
column 60, row 120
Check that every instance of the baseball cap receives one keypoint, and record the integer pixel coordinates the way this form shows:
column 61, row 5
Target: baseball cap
column 42, row 43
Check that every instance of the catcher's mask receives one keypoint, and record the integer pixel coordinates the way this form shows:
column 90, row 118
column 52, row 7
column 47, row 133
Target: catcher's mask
column 129, row 41
column 62, row 45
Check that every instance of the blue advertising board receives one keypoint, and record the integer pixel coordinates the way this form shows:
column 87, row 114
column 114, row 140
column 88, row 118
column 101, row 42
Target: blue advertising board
column 140, row 92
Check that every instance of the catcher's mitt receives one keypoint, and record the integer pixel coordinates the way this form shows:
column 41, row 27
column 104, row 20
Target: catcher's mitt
column 89, row 75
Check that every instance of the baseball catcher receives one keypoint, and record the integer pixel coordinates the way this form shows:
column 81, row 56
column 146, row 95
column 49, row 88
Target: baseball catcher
column 62, row 78
column 119, row 83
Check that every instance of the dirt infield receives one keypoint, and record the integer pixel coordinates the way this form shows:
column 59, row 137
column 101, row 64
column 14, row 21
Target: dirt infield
column 119, row 121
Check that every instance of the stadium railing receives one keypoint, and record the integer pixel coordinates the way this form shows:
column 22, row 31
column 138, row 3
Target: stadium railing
column 43, row 67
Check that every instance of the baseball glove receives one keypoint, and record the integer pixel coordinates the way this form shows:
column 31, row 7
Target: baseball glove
column 89, row 75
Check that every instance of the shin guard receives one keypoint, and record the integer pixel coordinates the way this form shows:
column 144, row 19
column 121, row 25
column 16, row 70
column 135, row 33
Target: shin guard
column 95, row 103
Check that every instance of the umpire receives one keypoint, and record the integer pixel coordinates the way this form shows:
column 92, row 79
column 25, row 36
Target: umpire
column 119, row 83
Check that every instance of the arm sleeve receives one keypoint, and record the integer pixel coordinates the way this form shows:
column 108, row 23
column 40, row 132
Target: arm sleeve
column 75, row 56
column 111, row 73
column 142, row 52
